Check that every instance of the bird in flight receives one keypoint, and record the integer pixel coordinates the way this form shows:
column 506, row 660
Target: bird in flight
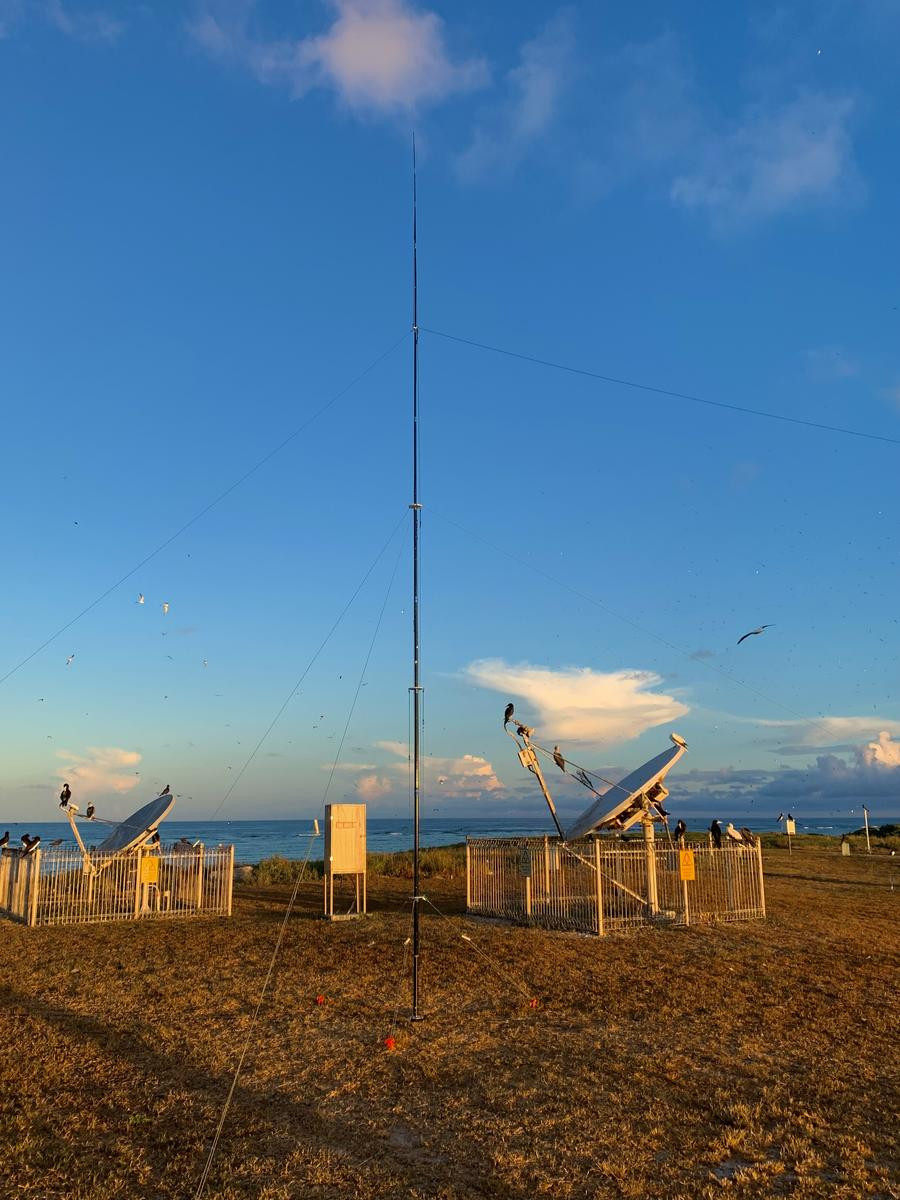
column 165, row 607
column 510, row 708
column 753, row 633
column 140, row 598
column 69, row 660
column 558, row 758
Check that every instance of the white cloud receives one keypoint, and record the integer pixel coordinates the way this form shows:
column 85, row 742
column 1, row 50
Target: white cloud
column 775, row 159
column 465, row 777
column 883, row 751
column 825, row 732
column 578, row 704
column 100, row 770
column 534, row 91
column 377, row 55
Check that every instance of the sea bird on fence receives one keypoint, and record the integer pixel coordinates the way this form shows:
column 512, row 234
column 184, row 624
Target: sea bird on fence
column 89, row 812
column 558, row 758
column 65, row 796
column 4, row 841
column 747, row 836
column 715, row 828
column 29, row 843
column 753, row 633
column 56, row 842
column 507, row 715
column 780, row 817
column 680, row 830
column 733, row 834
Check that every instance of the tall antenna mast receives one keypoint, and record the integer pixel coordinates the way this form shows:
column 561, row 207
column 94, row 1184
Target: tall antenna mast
column 416, row 688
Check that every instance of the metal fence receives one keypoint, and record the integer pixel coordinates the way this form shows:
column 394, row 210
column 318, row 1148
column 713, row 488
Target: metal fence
column 61, row 887
column 598, row 887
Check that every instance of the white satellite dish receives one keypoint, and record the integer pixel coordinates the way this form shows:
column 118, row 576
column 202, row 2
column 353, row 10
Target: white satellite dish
column 628, row 794
column 132, row 832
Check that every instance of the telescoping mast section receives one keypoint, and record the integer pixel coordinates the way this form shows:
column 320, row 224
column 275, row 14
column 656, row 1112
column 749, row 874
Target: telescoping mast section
column 416, row 688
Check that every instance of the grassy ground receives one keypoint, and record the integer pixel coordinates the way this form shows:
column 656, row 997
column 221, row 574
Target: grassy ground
column 745, row 1061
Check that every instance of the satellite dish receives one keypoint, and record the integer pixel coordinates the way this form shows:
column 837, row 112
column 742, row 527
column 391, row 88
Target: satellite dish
column 627, row 794
column 132, row 832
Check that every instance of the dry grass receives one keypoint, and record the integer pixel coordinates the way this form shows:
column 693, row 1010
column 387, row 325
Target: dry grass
column 747, row 1061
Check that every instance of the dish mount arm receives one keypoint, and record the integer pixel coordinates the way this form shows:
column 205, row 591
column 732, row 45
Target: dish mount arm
column 529, row 760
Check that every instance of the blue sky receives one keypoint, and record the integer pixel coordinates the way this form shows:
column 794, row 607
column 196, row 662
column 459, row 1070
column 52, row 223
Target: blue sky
column 205, row 236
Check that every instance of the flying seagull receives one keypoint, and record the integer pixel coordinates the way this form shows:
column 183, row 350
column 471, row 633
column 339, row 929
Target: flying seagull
column 753, row 633
column 69, row 660
column 558, row 758
column 508, row 713
column 140, row 598
column 165, row 607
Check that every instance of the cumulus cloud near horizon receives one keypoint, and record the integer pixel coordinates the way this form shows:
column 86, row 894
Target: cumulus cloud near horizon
column 385, row 56
column 821, row 733
column 102, row 769
column 579, row 704
column 464, row 777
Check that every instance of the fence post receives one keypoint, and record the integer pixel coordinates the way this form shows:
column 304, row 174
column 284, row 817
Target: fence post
column 762, row 887
column 684, row 893
column 599, row 887
column 5, row 860
column 138, row 856
column 198, row 892
column 468, row 876
column 230, row 878
column 650, row 860
column 34, row 879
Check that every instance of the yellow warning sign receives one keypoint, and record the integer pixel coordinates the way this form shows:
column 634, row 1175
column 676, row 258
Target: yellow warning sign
column 150, row 870
column 686, row 864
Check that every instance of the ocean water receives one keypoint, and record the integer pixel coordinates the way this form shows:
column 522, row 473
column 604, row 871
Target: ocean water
column 255, row 840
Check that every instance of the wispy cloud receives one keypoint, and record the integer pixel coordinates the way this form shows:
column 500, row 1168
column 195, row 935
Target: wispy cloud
column 534, row 89
column 85, row 24
column 826, row 732
column 88, row 25
column 384, row 56
column 824, row 364
column 774, row 159
column 578, row 704
column 100, row 770
column 783, row 150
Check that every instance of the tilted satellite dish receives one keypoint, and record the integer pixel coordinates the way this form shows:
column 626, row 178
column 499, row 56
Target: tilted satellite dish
column 623, row 803
column 134, row 831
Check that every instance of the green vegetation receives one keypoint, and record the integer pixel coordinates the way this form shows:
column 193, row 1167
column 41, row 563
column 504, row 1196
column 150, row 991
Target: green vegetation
column 445, row 862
